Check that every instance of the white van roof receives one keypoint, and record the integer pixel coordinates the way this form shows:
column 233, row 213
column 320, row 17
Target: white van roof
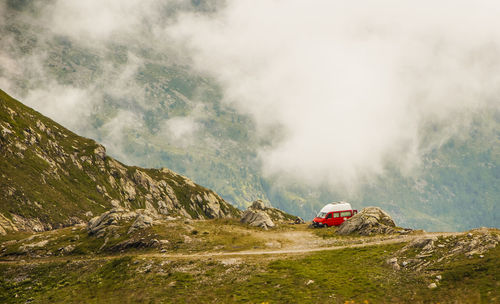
column 336, row 206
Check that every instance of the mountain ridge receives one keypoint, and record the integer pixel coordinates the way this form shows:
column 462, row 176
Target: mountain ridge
column 53, row 178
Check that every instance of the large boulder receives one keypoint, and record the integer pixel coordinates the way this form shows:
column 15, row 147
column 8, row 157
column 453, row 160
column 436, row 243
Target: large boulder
column 371, row 220
column 118, row 217
column 257, row 218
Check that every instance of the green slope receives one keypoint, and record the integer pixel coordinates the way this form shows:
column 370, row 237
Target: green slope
column 51, row 177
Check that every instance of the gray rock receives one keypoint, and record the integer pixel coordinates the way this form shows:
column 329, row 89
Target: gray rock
column 432, row 286
column 68, row 249
column 276, row 215
column 109, row 220
column 257, row 218
column 142, row 221
column 371, row 220
column 394, row 263
column 28, row 247
column 299, row 220
column 423, row 243
column 6, row 225
column 100, row 152
column 257, row 205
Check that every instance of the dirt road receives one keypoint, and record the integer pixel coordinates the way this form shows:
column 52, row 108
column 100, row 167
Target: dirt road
column 295, row 243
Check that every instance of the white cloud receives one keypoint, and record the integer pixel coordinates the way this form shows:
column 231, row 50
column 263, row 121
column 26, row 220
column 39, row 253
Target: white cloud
column 67, row 105
column 116, row 130
column 353, row 84
column 96, row 19
column 180, row 130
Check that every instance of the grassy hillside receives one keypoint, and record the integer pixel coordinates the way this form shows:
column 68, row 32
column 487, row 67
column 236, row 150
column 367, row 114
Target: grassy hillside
column 52, row 177
column 210, row 269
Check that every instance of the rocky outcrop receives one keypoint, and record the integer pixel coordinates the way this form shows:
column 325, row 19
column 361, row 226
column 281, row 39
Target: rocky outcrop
column 6, row 225
column 275, row 214
column 54, row 178
column 257, row 218
column 141, row 221
column 113, row 219
column 371, row 220
column 424, row 253
column 259, row 215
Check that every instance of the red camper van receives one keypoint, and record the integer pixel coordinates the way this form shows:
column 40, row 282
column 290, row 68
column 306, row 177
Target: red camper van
column 334, row 214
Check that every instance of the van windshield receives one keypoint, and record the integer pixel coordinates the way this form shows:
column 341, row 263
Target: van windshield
column 321, row 214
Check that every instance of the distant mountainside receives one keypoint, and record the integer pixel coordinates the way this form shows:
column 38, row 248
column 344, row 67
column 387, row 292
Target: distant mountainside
column 152, row 110
column 51, row 177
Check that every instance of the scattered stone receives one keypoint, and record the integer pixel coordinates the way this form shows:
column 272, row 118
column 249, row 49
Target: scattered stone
column 187, row 239
column 28, row 247
column 481, row 241
column 439, row 277
column 426, row 242
column 231, row 261
column 405, row 231
column 273, row 244
column 164, row 242
column 432, row 286
column 133, row 243
column 394, row 263
column 67, row 249
column 309, row 282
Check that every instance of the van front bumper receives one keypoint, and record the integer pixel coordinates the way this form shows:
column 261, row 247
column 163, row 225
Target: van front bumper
column 318, row 225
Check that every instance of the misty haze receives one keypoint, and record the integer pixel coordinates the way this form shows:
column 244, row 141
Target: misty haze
column 279, row 105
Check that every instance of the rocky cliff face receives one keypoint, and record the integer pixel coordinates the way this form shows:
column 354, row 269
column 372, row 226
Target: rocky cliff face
column 51, row 177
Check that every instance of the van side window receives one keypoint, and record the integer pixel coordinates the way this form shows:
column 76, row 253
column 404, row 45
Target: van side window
column 336, row 214
column 329, row 216
column 345, row 213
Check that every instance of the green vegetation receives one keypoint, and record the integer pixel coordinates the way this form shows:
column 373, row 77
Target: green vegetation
column 359, row 275
column 55, row 178
column 33, row 186
column 181, row 237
